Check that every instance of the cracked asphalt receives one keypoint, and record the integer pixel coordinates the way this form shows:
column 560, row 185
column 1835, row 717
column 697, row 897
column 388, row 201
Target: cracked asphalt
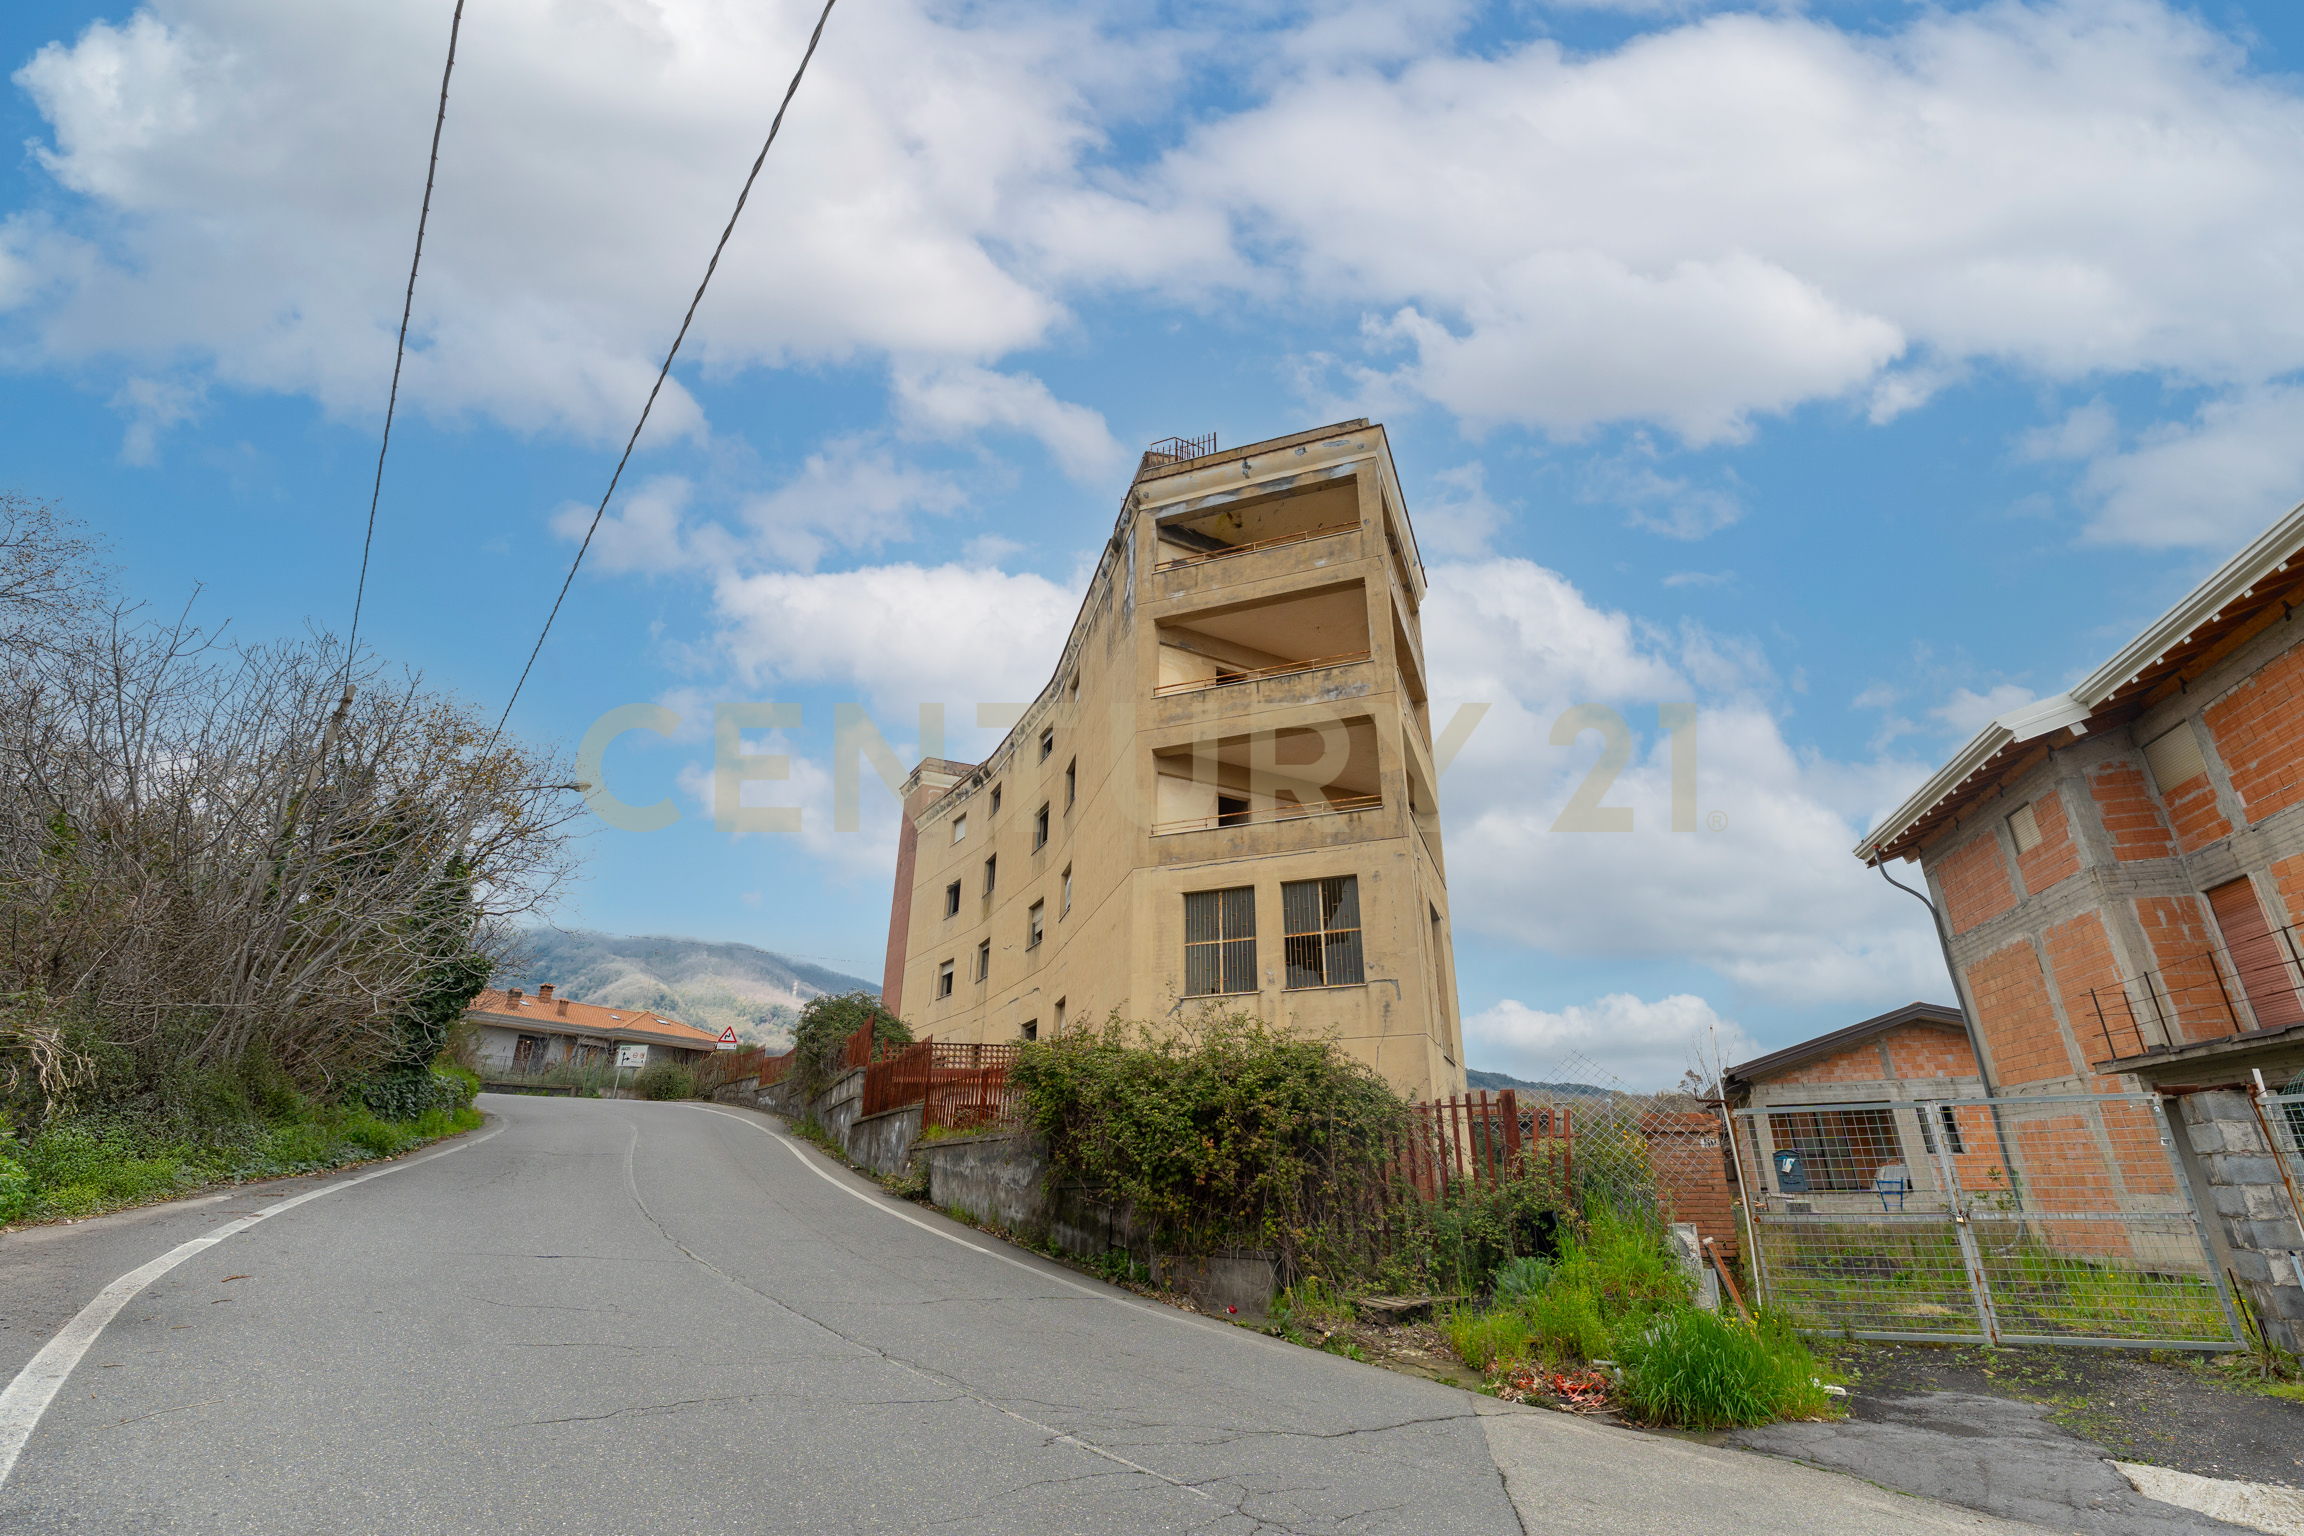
column 644, row 1319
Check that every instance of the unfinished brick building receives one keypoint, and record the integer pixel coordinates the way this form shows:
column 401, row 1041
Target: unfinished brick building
column 2119, row 875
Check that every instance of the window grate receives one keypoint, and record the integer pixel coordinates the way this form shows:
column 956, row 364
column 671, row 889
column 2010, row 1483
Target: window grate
column 1320, row 931
column 1220, row 941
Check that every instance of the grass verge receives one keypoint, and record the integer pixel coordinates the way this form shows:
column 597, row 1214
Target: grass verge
column 93, row 1163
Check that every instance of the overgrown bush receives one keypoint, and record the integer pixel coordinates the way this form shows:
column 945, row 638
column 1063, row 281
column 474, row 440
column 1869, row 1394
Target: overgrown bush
column 826, row 1024
column 405, row 1095
column 664, row 1080
column 1227, row 1132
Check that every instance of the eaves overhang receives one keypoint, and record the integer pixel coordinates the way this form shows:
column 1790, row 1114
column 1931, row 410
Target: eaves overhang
column 2260, row 585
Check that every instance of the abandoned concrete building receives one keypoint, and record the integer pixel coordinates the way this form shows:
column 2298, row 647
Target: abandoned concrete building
column 2118, row 872
column 1224, row 795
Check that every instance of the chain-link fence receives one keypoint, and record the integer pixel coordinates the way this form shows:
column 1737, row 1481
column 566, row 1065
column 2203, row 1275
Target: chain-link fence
column 2063, row 1219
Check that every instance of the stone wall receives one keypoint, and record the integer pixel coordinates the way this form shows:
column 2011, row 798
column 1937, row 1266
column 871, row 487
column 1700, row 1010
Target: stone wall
column 2247, row 1204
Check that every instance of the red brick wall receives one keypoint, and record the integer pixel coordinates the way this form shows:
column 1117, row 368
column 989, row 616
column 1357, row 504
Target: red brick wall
column 2259, row 732
column 2192, row 809
column 1922, row 1051
column 2056, row 856
column 1857, row 1064
column 1975, row 882
column 2177, row 927
column 2016, row 1017
column 2288, row 875
column 2130, row 814
column 2080, row 952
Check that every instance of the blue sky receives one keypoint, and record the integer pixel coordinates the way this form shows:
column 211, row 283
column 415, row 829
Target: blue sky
column 1856, row 371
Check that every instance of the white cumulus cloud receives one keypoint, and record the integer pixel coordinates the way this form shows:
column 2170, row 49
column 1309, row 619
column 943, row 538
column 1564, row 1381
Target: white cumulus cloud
column 1640, row 1045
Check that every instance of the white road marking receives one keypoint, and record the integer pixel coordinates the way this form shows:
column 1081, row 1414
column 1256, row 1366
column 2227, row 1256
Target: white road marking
column 36, row 1386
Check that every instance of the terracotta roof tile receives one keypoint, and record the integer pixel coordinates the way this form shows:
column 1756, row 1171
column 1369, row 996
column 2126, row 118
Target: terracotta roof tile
column 567, row 1015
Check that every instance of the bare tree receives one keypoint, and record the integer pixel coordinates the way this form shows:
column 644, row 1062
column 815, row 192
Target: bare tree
column 209, row 850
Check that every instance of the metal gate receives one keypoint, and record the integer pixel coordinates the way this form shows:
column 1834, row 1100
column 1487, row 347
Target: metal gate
column 2038, row 1219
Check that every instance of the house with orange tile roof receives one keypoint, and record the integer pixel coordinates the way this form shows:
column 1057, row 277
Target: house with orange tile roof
column 515, row 1032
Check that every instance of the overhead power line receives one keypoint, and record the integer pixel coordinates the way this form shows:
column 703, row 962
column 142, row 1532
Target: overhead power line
column 665, row 371
column 400, row 353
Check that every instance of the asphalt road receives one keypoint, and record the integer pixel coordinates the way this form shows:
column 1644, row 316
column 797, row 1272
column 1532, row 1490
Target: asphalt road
column 646, row 1319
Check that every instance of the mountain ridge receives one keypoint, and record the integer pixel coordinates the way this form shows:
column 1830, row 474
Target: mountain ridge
column 714, row 984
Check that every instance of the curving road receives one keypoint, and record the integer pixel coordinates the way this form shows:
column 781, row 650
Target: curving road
column 646, row 1319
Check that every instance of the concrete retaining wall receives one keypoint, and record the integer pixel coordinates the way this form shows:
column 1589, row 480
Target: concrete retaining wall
column 883, row 1142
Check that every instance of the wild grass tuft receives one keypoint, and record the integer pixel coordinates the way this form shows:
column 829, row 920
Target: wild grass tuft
column 1701, row 1370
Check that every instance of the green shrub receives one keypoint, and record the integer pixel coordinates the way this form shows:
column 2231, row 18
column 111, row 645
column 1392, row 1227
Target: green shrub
column 407, row 1094
column 665, row 1080
column 466, row 1080
column 1701, row 1370
column 15, row 1189
column 1229, row 1132
column 1521, row 1280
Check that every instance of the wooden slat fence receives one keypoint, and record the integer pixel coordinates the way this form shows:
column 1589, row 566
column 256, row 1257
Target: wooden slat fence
column 958, row 1086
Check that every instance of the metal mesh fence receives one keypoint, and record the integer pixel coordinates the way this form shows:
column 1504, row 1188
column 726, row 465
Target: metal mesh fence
column 2033, row 1219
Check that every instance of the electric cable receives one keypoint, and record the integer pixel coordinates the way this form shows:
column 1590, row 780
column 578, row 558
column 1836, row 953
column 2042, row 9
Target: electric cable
column 665, row 371
column 399, row 355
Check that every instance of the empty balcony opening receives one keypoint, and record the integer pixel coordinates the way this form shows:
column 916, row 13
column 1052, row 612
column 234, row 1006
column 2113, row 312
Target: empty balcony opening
column 1290, row 516
column 1296, row 633
column 1324, row 769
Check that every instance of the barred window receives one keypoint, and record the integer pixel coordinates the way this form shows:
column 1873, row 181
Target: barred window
column 1320, row 931
column 1220, row 941
column 1835, row 1149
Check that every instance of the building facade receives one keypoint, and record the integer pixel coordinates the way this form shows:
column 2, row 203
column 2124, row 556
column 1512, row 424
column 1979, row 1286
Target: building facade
column 1224, row 796
column 2118, row 873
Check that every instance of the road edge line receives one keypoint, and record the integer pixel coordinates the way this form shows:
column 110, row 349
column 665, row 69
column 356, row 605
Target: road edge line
column 27, row 1396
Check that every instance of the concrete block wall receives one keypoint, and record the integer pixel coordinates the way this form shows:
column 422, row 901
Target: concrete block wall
column 2247, row 1203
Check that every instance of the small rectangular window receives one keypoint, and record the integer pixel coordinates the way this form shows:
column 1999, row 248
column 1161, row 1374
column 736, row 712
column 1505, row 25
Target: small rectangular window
column 1220, row 941
column 1927, row 1131
column 952, row 899
column 1320, row 931
column 1047, row 743
column 959, row 829
column 991, row 871
column 1039, row 922
column 995, row 799
column 2025, row 826
column 984, row 960
column 1059, row 1015
column 1031, row 1029
column 1067, row 891
column 944, row 979
column 1951, row 1119
column 1071, row 782
column 1040, row 827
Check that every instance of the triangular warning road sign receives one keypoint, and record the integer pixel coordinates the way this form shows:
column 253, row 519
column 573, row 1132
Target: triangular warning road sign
column 728, row 1035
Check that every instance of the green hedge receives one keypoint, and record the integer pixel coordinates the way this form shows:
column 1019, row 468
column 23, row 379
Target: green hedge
column 407, row 1095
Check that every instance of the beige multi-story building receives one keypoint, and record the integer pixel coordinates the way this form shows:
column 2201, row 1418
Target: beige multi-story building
column 1224, row 796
